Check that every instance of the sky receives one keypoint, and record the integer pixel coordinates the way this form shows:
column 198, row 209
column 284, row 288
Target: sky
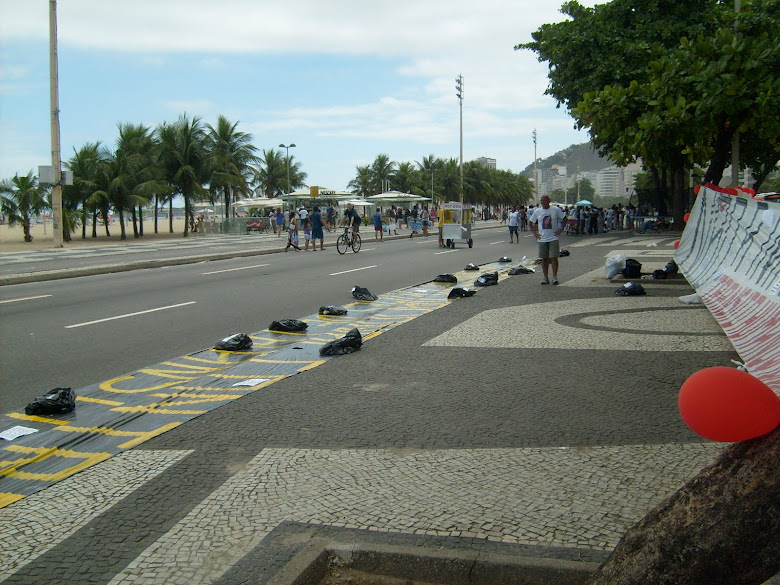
column 344, row 80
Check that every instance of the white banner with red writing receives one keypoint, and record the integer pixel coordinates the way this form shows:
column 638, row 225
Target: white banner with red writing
column 730, row 253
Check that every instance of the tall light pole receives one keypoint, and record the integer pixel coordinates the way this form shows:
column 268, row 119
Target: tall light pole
column 459, row 87
column 56, row 190
column 287, row 156
column 536, row 176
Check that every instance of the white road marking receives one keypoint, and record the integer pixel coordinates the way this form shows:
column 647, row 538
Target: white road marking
column 446, row 252
column 353, row 270
column 129, row 315
column 24, row 299
column 234, row 269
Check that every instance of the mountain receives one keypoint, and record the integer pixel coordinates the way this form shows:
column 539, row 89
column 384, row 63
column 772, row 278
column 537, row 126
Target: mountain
column 578, row 157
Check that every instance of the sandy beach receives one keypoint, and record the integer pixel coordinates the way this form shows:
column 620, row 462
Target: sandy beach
column 12, row 237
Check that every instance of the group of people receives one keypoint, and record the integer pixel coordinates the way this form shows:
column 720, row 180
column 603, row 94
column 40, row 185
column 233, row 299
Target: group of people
column 311, row 223
column 598, row 220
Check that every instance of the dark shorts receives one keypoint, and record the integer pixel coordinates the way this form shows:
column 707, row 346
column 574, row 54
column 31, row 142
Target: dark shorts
column 549, row 249
column 512, row 229
column 316, row 234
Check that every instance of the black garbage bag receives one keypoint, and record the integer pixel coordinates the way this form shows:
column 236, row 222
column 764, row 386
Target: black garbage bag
column 236, row 342
column 332, row 310
column 363, row 294
column 633, row 269
column 471, row 266
column 564, row 253
column 288, row 326
column 521, row 270
column 659, row 274
column 458, row 292
column 671, row 268
column 350, row 343
column 487, row 279
column 57, row 401
column 504, row 259
column 630, row 289
column 446, row 278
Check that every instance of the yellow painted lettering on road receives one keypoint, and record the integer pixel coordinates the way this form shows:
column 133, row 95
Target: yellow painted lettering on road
column 109, row 386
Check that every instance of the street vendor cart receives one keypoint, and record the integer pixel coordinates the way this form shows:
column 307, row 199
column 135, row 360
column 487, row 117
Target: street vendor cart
column 456, row 223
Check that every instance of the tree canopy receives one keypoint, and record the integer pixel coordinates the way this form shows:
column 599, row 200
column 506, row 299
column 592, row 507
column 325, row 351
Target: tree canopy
column 670, row 82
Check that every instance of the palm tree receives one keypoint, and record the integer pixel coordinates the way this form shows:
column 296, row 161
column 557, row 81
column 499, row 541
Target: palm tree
column 84, row 165
column 185, row 160
column 271, row 175
column 20, row 199
column 405, row 177
column 381, row 171
column 362, row 183
column 232, row 156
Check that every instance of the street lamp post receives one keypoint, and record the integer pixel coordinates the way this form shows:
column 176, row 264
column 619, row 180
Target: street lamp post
column 459, row 87
column 287, row 157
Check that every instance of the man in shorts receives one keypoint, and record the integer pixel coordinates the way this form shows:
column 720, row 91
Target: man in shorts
column 547, row 225
column 514, row 220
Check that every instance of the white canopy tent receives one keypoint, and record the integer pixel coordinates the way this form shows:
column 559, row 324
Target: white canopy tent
column 398, row 196
column 258, row 203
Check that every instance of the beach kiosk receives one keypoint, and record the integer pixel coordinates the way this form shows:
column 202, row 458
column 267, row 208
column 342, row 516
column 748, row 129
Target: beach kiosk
column 456, row 223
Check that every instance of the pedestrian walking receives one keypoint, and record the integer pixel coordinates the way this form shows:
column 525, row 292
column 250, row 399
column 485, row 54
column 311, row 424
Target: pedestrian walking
column 279, row 222
column 316, row 229
column 378, row 226
column 292, row 234
column 547, row 225
column 306, row 222
column 514, row 219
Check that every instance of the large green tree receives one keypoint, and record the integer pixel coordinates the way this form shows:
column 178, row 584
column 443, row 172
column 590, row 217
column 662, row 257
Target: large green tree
column 84, row 164
column 21, row 199
column 628, row 72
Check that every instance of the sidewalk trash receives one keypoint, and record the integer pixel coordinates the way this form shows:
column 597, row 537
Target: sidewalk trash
column 458, row 292
column 693, row 299
column 504, row 259
column 446, row 278
column 363, row 294
column 487, row 279
column 614, row 265
column 521, row 270
column 658, row 274
column 350, row 343
column 288, row 326
column 332, row 310
column 57, row 401
column 633, row 268
column 471, row 266
column 671, row 268
column 564, row 253
column 236, row 342
column 630, row 289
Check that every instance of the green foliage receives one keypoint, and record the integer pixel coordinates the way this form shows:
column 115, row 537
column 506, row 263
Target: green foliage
column 21, row 199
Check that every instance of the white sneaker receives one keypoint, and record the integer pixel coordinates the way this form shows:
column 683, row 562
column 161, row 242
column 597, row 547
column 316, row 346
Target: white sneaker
column 546, row 280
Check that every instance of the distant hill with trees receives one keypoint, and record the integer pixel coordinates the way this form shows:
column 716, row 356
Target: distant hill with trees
column 577, row 157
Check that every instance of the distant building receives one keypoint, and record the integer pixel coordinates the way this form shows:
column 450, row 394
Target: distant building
column 487, row 162
column 616, row 181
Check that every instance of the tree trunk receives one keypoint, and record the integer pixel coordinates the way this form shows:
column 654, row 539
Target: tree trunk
column 721, row 527
column 84, row 220
column 140, row 221
column 122, row 224
column 94, row 222
column 134, row 217
column 721, row 156
column 26, row 229
column 170, row 215
column 156, row 212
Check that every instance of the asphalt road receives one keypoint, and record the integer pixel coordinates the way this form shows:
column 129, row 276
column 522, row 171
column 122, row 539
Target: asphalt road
column 81, row 331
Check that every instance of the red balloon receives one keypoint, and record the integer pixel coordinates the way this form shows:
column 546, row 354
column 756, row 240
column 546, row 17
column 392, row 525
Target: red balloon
column 686, row 217
column 676, row 244
column 727, row 404
column 696, row 189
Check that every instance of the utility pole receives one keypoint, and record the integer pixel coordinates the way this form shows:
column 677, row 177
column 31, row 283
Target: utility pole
column 536, row 176
column 56, row 190
column 459, row 87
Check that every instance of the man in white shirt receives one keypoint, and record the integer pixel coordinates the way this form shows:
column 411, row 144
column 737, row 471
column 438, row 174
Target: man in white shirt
column 514, row 220
column 547, row 225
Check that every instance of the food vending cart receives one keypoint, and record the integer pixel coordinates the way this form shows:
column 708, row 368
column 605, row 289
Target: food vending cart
column 456, row 223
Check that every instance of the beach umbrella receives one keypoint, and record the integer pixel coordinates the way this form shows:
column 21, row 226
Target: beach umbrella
column 583, row 203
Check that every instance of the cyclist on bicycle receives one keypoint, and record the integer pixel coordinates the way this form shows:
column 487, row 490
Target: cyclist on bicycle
column 352, row 218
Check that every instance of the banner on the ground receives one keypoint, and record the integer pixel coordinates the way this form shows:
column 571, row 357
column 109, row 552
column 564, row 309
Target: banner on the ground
column 730, row 253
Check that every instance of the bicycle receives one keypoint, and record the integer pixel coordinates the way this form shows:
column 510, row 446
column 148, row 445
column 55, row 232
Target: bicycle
column 347, row 240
